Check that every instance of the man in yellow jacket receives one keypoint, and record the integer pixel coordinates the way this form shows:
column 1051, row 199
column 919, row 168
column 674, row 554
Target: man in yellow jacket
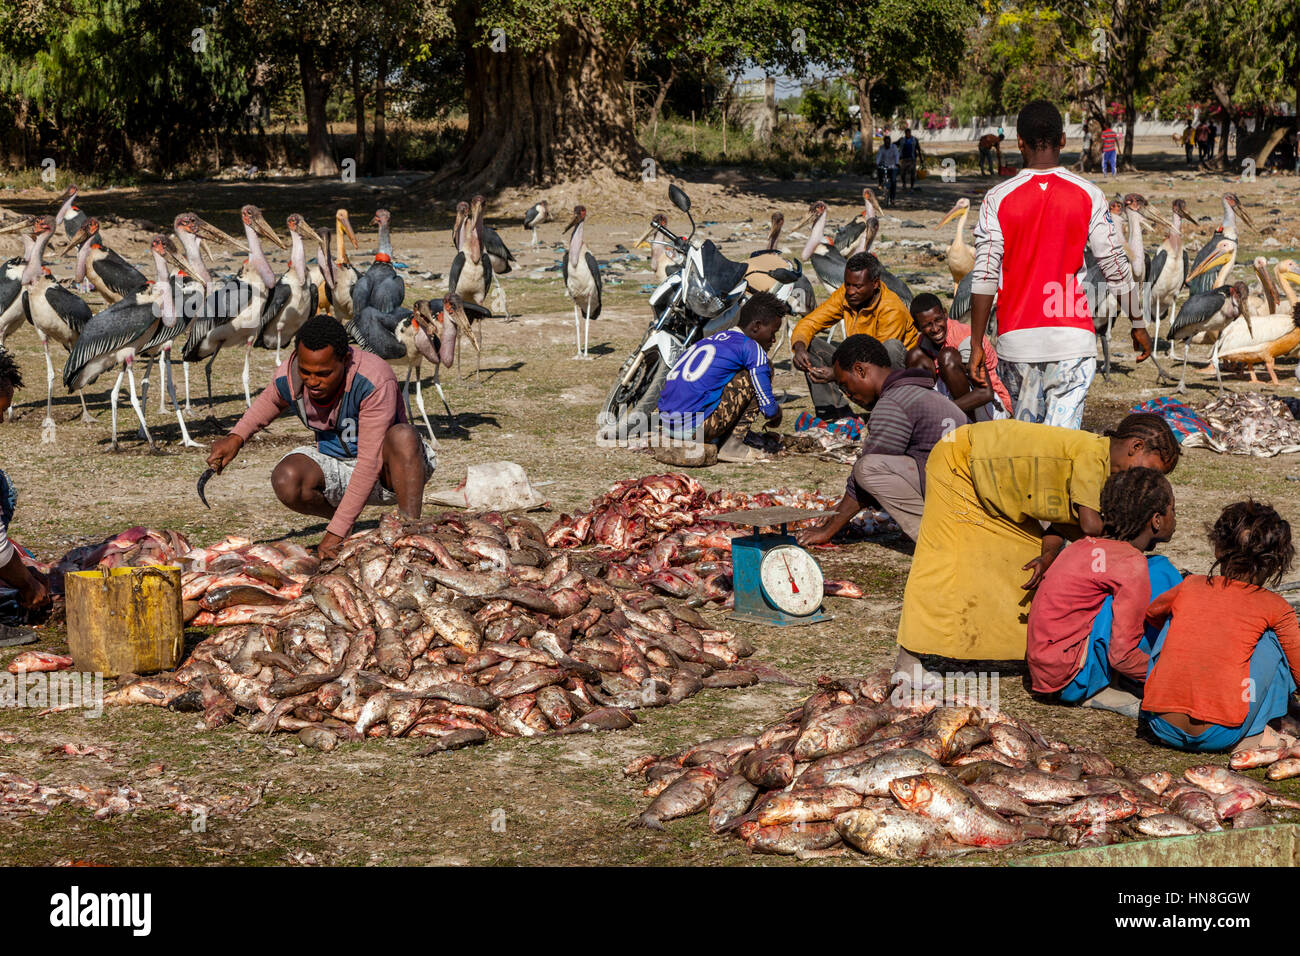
column 865, row 306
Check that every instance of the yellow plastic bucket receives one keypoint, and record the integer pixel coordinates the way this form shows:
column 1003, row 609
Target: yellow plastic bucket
column 125, row 620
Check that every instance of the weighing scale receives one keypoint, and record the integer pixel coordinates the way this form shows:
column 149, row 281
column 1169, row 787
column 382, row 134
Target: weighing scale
column 774, row 580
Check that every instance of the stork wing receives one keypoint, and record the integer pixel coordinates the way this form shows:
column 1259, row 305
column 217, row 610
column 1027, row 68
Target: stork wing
column 70, row 307
column 271, row 309
column 361, row 291
column 594, row 266
column 115, row 328
column 961, row 301
column 896, row 285
column 829, row 268
column 369, row 332
column 119, row 275
column 453, row 277
column 1157, row 265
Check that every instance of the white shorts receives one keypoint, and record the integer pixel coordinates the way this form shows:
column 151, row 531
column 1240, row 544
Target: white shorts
column 338, row 472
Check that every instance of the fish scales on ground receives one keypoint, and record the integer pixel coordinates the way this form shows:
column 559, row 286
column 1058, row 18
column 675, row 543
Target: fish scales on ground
column 454, row 626
column 904, row 777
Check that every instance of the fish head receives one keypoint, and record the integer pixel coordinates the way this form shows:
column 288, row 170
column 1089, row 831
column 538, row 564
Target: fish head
column 913, row 792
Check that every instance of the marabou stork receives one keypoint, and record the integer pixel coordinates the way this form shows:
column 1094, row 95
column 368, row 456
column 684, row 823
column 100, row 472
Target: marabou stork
column 292, row 300
column 471, row 274
column 1227, row 232
column 773, row 234
column 233, row 310
column 1205, row 312
column 581, row 280
column 817, row 234
column 380, row 285
column 961, row 257
column 850, row 237
column 1169, row 267
column 107, row 271
column 55, row 313
column 499, row 257
column 11, row 280
column 661, row 257
column 537, row 214
column 190, row 231
column 336, row 297
column 69, row 216
column 829, row 265
column 186, row 291
column 117, row 334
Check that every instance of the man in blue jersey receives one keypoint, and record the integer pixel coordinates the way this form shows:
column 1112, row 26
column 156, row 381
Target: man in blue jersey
column 715, row 388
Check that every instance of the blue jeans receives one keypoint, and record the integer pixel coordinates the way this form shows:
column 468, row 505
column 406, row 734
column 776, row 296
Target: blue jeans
column 1108, row 159
column 1096, row 675
column 1272, row 686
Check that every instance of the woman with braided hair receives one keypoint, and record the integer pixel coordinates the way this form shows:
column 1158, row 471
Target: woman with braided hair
column 1087, row 642
column 1228, row 660
column 1001, row 499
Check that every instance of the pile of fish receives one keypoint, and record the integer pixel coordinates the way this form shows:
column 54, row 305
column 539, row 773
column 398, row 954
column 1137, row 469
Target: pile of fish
column 134, row 547
column 893, row 775
column 1248, row 423
column 455, row 628
column 22, row 796
column 657, row 533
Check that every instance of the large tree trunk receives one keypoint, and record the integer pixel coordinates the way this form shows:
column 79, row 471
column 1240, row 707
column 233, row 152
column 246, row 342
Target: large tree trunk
column 863, row 84
column 378, row 157
column 359, row 110
column 1130, row 121
column 536, row 117
column 315, row 93
column 1220, row 159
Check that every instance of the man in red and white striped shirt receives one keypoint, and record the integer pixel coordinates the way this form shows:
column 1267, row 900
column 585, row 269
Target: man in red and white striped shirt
column 1029, row 244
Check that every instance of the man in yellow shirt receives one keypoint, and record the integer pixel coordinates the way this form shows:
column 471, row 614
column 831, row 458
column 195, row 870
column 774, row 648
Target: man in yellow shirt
column 865, row 306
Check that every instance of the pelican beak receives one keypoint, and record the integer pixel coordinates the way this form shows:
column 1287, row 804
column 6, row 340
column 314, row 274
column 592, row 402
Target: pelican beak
column 210, row 232
column 345, row 225
column 1289, row 276
column 81, row 235
column 1214, row 262
column 307, row 232
column 952, row 214
column 266, row 232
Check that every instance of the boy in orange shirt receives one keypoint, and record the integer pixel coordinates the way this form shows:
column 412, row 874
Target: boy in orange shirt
column 1230, row 658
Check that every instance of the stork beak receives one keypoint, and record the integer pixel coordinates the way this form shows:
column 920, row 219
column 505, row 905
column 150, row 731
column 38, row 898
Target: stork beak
column 805, row 221
column 345, row 225
column 952, row 214
column 18, row 225
column 266, row 232
column 642, row 241
column 1214, row 262
column 174, row 260
column 210, row 232
column 1151, row 216
column 573, row 223
column 81, row 234
column 1240, row 210
column 307, row 232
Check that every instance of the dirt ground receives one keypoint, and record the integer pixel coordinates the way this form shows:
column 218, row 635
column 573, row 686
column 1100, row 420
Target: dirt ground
column 516, row 801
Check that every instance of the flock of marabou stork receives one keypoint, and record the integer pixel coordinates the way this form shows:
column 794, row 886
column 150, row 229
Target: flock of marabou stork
column 1245, row 329
column 179, row 301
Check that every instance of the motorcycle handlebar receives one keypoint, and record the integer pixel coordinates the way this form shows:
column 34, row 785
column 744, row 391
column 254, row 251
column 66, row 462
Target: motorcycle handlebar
column 680, row 244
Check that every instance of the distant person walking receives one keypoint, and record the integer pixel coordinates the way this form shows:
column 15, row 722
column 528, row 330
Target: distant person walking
column 1202, row 140
column 1211, row 134
column 1189, row 139
column 909, row 153
column 887, row 169
column 990, row 144
column 1109, row 151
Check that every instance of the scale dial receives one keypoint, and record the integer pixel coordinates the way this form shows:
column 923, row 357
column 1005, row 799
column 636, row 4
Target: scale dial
column 792, row 580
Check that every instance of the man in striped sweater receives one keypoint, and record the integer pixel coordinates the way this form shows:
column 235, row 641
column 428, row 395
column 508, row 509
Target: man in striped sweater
column 908, row 418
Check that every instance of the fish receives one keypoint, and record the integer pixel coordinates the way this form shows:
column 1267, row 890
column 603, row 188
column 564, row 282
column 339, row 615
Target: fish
column 1036, row 787
column 731, row 801
column 1165, row 825
column 963, row 817
column 837, row 730
column 892, row 833
column 29, row 661
column 1197, row 807
column 455, row 740
column 319, row 738
column 1284, row 769
column 687, row 795
column 871, row 778
column 806, row 805
column 767, row 769
column 1099, row 808
column 792, row 838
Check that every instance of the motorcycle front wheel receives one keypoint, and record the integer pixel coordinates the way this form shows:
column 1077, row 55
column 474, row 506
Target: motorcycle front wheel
column 629, row 409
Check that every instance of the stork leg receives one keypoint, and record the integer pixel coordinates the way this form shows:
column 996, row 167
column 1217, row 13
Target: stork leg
column 1268, row 364
column 144, row 383
column 586, row 333
column 248, row 355
column 117, row 390
column 419, row 401
column 277, row 347
column 535, row 240
column 1182, row 381
column 189, row 409
column 47, row 426
column 207, row 372
column 186, row 440
column 85, row 412
column 135, row 403
column 164, row 374
column 499, row 300
column 577, row 329
column 1105, row 352
column 451, row 419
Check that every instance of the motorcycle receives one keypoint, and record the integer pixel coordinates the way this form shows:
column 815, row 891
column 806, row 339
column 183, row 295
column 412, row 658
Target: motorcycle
column 699, row 297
